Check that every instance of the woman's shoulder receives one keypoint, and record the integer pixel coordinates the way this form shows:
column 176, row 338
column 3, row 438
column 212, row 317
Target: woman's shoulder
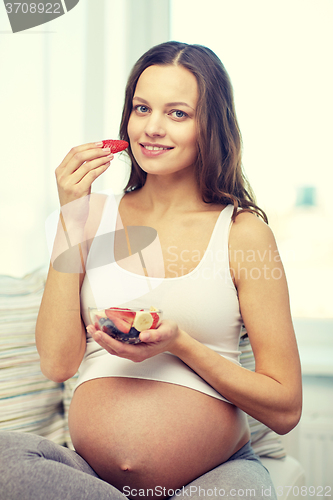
column 253, row 251
column 250, row 231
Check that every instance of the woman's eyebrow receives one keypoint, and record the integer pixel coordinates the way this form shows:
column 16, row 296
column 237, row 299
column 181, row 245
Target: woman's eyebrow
column 178, row 103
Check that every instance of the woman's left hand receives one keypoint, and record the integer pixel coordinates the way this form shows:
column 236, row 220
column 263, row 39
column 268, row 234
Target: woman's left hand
column 154, row 341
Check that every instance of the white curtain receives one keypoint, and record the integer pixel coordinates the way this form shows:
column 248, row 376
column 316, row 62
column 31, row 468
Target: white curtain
column 62, row 84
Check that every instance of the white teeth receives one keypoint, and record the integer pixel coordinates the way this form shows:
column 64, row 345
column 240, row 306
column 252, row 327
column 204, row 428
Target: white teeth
column 154, row 148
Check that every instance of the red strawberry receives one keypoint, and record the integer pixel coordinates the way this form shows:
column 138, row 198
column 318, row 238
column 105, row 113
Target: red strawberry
column 97, row 318
column 121, row 308
column 156, row 319
column 115, row 145
column 122, row 319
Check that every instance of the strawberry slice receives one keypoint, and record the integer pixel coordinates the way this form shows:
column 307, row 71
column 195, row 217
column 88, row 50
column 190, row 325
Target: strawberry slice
column 121, row 308
column 156, row 319
column 122, row 319
column 115, row 145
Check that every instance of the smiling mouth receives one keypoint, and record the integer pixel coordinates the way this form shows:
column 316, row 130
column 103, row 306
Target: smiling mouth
column 155, row 148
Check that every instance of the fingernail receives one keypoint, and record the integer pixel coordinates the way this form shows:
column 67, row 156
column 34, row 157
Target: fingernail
column 90, row 329
column 99, row 143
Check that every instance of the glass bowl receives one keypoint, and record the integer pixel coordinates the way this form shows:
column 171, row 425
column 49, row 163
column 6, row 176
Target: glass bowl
column 125, row 324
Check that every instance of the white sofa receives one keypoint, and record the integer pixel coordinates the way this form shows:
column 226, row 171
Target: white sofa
column 287, row 475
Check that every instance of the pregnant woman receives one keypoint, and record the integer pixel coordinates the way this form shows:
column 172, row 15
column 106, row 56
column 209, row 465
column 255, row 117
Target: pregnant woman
column 166, row 416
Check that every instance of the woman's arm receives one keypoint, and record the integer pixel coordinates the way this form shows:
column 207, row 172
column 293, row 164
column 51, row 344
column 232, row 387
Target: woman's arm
column 60, row 333
column 272, row 394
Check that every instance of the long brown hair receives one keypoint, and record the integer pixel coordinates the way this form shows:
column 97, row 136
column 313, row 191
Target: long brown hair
column 219, row 171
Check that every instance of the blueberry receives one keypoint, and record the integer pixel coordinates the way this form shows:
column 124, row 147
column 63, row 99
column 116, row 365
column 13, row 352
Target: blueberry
column 107, row 326
column 103, row 321
column 132, row 337
column 133, row 332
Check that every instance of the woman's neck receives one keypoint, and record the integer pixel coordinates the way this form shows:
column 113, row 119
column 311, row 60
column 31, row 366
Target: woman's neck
column 172, row 193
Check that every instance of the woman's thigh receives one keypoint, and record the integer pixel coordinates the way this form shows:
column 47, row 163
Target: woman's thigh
column 32, row 467
column 242, row 477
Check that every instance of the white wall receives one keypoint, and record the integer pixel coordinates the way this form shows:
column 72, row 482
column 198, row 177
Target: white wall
column 62, row 84
column 41, row 96
column 279, row 57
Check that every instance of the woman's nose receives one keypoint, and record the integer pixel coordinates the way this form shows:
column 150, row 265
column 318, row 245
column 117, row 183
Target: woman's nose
column 155, row 125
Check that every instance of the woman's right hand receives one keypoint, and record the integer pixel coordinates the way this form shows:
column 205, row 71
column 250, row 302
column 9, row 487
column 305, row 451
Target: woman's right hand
column 75, row 175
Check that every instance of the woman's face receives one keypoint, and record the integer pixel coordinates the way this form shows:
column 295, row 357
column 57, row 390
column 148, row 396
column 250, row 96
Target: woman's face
column 162, row 126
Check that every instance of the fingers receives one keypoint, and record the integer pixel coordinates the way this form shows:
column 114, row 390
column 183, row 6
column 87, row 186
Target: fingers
column 145, row 336
column 153, row 342
column 95, row 156
column 82, row 154
column 101, row 338
column 136, row 353
column 80, row 168
column 77, row 150
column 87, row 172
column 151, row 336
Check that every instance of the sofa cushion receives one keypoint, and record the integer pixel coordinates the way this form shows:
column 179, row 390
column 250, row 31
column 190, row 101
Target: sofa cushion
column 264, row 441
column 28, row 401
column 69, row 387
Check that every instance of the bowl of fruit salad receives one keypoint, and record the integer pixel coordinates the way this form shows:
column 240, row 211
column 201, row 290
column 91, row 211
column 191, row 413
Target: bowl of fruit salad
column 125, row 324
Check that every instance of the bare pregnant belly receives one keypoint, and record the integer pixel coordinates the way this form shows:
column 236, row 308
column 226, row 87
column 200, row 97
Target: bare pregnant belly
column 146, row 434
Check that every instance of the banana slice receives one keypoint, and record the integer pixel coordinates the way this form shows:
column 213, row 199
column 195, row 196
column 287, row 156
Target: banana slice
column 101, row 313
column 143, row 321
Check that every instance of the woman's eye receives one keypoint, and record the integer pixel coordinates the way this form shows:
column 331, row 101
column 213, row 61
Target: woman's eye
column 178, row 113
column 141, row 108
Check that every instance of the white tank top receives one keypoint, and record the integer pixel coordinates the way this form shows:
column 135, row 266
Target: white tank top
column 203, row 302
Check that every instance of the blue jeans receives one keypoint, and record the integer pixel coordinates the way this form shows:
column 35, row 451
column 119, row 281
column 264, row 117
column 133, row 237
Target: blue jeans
column 34, row 468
